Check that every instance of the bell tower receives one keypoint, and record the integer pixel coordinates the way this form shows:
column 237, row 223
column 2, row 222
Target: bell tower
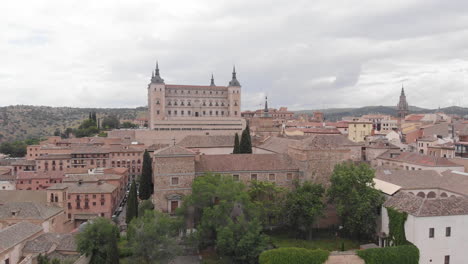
column 234, row 95
column 402, row 105
column 156, row 98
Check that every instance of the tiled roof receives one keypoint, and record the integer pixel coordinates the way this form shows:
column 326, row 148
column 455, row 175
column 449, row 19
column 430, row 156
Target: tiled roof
column 419, row 159
column 174, row 151
column 45, row 242
column 84, row 187
column 244, row 162
column 23, row 162
column 28, row 210
column 318, row 141
column 206, row 141
column 316, row 130
column 155, row 147
column 277, row 144
column 23, row 196
column 90, row 177
column 25, row 175
column 54, row 157
column 421, row 207
column 17, row 233
column 414, row 117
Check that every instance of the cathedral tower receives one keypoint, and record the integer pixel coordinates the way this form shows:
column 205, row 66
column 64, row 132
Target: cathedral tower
column 402, row 105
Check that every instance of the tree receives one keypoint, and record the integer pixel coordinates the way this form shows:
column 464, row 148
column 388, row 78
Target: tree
column 46, row 260
column 145, row 206
column 303, row 206
column 99, row 240
column 269, row 199
column 356, row 200
column 246, row 141
column 146, row 179
column 236, row 149
column 152, row 238
column 110, row 122
column 57, row 132
column 132, row 203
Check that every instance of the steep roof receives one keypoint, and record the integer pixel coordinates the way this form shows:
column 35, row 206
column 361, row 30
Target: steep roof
column 28, row 210
column 45, row 242
column 421, row 207
column 244, row 162
column 419, row 159
column 17, row 233
column 207, row 141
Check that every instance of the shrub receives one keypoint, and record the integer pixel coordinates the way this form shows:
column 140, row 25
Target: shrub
column 408, row 254
column 293, row 255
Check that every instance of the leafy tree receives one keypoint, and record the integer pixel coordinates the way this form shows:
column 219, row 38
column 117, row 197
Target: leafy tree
column 132, row 203
column 88, row 123
column 269, row 199
column 236, row 149
column 17, row 148
column 43, row 259
column 246, row 141
column 127, row 124
column 99, row 240
column 355, row 198
column 304, row 205
column 146, row 179
column 152, row 238
column 57, row 132
column 145, row 206
column 110, row 122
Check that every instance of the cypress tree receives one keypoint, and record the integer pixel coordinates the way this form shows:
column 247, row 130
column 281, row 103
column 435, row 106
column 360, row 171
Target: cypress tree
column 132, row 203
column 246, row 143
column 146, row 186
column 236, row 145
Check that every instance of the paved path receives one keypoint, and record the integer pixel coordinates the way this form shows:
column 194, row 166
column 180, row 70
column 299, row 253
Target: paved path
column 344, row 259
column 185, row 260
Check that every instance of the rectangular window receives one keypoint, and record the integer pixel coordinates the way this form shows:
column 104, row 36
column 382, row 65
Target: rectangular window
column 235, row 177
column 289, row 176
column 272, row 177
column 448, row 231
column 253, row 177
column 447, row 259
column 174, row 180
column 431, row 232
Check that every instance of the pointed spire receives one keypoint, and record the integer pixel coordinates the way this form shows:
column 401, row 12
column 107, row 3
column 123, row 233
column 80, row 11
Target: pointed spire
column 266, row 104
column 156, row 78
column 212, row 80
column 402, row 90
column 157, row 69
column 152, row 74
column 234, row 81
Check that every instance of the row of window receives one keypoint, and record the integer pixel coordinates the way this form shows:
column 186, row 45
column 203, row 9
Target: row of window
column 175, row 91
column 448, row 232
column 189, row 113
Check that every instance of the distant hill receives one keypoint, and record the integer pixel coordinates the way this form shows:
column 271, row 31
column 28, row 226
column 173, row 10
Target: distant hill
column 334, row 114
column 24, row 121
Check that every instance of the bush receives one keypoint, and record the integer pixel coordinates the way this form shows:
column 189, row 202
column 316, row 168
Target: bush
column 293, row 255
column 408, row 254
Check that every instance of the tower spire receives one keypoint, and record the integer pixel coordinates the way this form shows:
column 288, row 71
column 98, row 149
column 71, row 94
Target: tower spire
column 156, row 78
column 266, row 111
column 157, row 69
column 234, row 81
column 212, row 80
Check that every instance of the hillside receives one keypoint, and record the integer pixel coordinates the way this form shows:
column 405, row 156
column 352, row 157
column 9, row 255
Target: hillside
column 23, row 121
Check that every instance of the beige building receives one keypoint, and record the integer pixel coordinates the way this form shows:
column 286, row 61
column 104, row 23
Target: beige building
column 359, row 130
column 13, row 239
column 415, row 161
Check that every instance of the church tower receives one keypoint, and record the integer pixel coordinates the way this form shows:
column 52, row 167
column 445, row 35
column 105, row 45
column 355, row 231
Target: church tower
column 156, row 98
column 234, row 95
column 402, row 105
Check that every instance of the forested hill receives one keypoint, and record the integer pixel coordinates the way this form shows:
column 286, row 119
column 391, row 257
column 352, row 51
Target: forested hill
column 23, row 121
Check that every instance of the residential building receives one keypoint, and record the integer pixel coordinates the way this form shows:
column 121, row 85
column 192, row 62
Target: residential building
column 359, row 130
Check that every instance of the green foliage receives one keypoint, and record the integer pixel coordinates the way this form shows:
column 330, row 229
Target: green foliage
column 144, row 206
column 303, row 206
column 236, row 149
column 17, row 148
column 127, row 124
column 110, row 122
column 146, row 186
column 46, row 260
column 132, row 203
column 269, row 199
column 99, row 240
column 357, row 202
column 241, row 240
column 293, row 255
column 246, row 141
column 397, row 227
column 152, row 238
column 407, row 254
column 87, row 128
column 102, row 134
column 88, row 123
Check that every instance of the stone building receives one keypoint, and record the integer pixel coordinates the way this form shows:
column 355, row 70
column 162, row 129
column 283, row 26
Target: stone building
column 403, row 107
column 13, row 239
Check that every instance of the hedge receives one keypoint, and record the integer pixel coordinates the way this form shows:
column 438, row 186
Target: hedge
column 293, row 255
column 408, row 254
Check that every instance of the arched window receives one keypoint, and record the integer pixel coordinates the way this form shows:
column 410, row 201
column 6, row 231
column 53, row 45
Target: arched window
column 431, row 195
column 421, row 194
column 444, row 195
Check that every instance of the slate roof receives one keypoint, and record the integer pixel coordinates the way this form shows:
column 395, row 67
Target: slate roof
column 421, row 207
column 419, row 159
column 244, row 162
column 45, row 242
column 28, row 210
column 207, row 141
column 17, row 233
column 174, row 151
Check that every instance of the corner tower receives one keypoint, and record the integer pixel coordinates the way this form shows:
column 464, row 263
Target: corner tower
column 402, row 105
column 156, row 98
column 234, row 95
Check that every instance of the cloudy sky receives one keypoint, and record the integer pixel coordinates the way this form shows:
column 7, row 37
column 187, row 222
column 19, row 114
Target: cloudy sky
column 302, row 54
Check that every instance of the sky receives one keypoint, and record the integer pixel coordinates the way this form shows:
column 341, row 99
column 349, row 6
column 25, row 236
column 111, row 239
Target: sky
column 302, row 54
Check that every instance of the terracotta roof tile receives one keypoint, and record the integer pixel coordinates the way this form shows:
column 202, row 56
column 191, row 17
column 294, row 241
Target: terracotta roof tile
column 421, row 207
column 420, row 159
column 17, row 233
column 206, row 141
column 244, row 162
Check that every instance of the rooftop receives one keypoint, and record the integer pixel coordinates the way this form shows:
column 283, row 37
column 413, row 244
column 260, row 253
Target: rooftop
column 28, row 210
column 419, row 159
column 84, row 187
column 17, row 233
column 174, row 151
column 23, row 196
column 46, row 242
column 206, row 141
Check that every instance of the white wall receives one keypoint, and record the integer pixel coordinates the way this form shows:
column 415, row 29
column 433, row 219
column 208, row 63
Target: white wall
column 7, row 185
